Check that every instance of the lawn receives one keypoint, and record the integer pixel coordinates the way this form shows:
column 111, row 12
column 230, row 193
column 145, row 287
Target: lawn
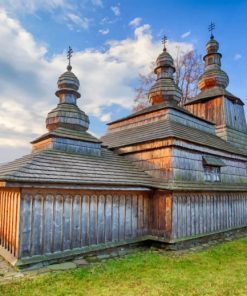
column 219, row 270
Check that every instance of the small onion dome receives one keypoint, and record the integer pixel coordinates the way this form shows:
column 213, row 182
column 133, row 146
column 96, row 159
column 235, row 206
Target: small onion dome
column 165, row 88
column 164, row 60
column 212, row 46
column 213, row 74
column 67, row 114
column 68, row 83
column 213, row 77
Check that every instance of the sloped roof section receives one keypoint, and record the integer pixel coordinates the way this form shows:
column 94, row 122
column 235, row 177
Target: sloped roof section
column 61, row 132
column 157, row 107
column 165, row 129
column 52, row 166
column 212, row 93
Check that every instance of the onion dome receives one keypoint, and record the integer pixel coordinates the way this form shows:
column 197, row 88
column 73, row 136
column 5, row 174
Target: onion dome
column 165, row 88
column 67, row 114
column 68, row 83
column 213, row 75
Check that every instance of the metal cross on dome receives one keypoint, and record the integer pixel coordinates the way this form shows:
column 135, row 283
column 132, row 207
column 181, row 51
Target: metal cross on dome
column 211, row 27
column 164, row 40
column 69, row 55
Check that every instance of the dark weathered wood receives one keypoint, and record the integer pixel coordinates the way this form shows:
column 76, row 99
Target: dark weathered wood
column 128, row 217
column 26, row 208
column 115, row 218
column 56, row 221
column 208, row 213
column 48, row 223
column 85, row 220
column 58, row 224
column 101, row 218
column 76, row 222
column 93, row 220
column 37, row 225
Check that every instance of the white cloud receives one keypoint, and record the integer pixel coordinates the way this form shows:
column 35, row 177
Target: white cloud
column 81, row 22
column 13, row 142
column 186, row 34
column 98, row 3
column 104, row 31
column 135, row 22
column 31, row 6
column 115, row 10
column 237, row 56
column 105, row 117
column 28, row 79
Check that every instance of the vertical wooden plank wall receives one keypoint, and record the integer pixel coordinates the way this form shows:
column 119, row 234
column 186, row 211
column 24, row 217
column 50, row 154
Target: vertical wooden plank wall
column 205, row 213
column 9, row 220
column 211, row 110
column 56, row 221
column 161, row 215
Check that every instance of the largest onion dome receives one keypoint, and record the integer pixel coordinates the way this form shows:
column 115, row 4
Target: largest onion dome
column 165, row 88
column 213, row 75
column 67, row 114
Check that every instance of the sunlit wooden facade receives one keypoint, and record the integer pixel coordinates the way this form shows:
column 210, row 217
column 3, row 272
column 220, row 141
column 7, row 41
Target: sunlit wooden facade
column 166, row 173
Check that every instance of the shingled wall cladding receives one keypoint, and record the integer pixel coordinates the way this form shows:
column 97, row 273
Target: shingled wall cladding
column 63, row 220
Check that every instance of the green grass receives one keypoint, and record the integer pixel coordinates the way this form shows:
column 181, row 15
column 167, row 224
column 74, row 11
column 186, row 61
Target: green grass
column 220, row 270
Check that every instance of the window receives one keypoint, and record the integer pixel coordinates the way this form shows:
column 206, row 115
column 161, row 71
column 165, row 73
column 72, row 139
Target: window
column 211, row 173
column 212, row 166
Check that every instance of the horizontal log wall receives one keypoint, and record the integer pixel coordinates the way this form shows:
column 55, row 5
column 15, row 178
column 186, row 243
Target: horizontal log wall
column 58, row 221
column 199, row 214
column 9, row 220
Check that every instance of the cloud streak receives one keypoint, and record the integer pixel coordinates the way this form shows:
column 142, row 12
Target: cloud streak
column 104, row 31
column 186, row 34
column 81, row 22
column 135, row 22
column 237, row 56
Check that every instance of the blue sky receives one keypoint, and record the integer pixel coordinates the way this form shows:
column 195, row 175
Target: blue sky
column 113, row 41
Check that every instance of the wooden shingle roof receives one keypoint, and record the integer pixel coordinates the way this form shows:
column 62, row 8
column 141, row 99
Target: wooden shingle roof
column 52, row 166
column 212, row 93
column 61, row 132
column 157, row 107
column 166, row 129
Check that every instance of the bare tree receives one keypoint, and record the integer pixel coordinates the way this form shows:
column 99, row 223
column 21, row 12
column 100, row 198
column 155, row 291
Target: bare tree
column 189, row 67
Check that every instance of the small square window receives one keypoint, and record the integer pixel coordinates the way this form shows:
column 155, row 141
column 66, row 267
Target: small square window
column 211, row 173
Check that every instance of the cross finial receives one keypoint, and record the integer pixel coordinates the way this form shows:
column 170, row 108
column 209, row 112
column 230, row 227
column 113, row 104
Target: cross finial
column 69, row 55
column 211, row 27
column 164, row 40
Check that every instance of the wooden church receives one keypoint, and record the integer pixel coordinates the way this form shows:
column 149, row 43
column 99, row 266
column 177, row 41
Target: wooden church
column 166, row 173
